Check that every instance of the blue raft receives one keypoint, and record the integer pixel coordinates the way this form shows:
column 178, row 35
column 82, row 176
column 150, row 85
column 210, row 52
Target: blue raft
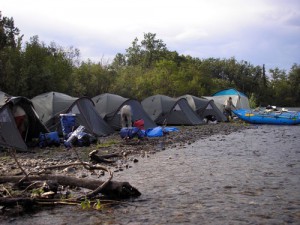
column 264, row 117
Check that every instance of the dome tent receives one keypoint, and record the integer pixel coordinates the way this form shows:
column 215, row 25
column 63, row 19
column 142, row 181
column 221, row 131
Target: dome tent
column 205, row 107
column 50, row 105
column 109, row 106
column 166, row 110
column 239, row 99
column 10, row 136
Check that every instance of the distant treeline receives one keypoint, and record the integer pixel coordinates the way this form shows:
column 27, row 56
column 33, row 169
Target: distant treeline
column 146, row 68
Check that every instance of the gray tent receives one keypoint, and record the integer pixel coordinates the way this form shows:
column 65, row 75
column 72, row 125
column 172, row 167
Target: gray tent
column 166, row 110
column 9, row 133
column 87, row 115
column 3, row 98
column 205, row 108
column 50, row 105
column 109, row 105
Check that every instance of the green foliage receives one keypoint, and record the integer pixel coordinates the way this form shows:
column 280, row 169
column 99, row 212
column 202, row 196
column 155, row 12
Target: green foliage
column 37, row 192
column 294, row 82
column 98, row 205
column 85, row 204
column 91, row 79
column 252, row 101
column 146, row 68
column 10, row 66
column 107, row 144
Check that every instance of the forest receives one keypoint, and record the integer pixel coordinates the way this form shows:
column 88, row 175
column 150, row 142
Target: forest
column 145, row 68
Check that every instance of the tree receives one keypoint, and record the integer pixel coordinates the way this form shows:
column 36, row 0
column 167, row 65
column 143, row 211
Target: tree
column 91, row 79
column 294, row 81
column 153, row 50
column 133, row 54
column 280, row 87
column 10, row 46
column 145, row 54
column 9, row 34
column 119, row 62
column 47, row 68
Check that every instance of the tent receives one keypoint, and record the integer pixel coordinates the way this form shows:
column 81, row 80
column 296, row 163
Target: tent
column 109, row 105
column 166, row 110
column 9, row 133
column 87, row 115
column 50, row 105
column 204, row 107
column 3, row 98
column 239, row 99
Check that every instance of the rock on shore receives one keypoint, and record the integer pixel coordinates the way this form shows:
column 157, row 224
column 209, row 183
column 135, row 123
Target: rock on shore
column 128, row 151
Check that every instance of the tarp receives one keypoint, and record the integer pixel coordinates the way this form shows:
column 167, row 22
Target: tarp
column 160, row 131
column 205, row 108
column 165, row 110
column 109, row 106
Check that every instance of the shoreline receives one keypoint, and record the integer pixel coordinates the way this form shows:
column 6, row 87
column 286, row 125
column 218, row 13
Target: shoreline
column 35, row 161
column 127, row 151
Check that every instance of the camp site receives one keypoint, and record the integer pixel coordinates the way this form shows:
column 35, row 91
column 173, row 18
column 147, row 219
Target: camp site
column 86, row 134
column 106, row 125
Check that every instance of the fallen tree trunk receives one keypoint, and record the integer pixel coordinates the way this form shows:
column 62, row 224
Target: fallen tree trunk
column 27, row 203
column 112, row 155
column 112, row 189
column 102, row 158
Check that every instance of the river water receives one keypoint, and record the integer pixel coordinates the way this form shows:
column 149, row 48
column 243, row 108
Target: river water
column 248, row 177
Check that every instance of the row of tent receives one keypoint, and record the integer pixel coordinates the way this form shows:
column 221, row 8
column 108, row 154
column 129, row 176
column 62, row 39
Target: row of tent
column 100, row 115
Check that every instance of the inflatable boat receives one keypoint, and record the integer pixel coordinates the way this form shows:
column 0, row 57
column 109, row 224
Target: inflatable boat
column 268, row 117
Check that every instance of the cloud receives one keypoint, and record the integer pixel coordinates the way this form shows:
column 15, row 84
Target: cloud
column 258, row 31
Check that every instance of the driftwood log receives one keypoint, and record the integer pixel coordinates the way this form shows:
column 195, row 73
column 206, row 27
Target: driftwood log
column 112, row 189
column 26, row 203
column 102, row 158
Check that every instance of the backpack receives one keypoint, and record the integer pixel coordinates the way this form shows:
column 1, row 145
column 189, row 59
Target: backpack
column 132, row 132
column 49, row 139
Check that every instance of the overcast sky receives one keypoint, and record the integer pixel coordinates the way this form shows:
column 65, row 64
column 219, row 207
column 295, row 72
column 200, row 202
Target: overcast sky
column 258, row 31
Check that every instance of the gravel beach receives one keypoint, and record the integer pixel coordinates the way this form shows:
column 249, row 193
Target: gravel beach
column 126, row 151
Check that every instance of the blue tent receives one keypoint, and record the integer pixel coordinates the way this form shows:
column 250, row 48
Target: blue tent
column 239, row 99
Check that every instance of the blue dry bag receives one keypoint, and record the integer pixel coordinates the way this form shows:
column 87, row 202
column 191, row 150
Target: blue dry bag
column 132, row 132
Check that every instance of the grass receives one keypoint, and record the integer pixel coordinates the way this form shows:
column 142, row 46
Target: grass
column 108, row 143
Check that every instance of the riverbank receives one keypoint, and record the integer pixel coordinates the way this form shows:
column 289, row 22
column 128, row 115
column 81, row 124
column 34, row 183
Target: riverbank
column 232, row 174
column 126, row 155
column 124, row 152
